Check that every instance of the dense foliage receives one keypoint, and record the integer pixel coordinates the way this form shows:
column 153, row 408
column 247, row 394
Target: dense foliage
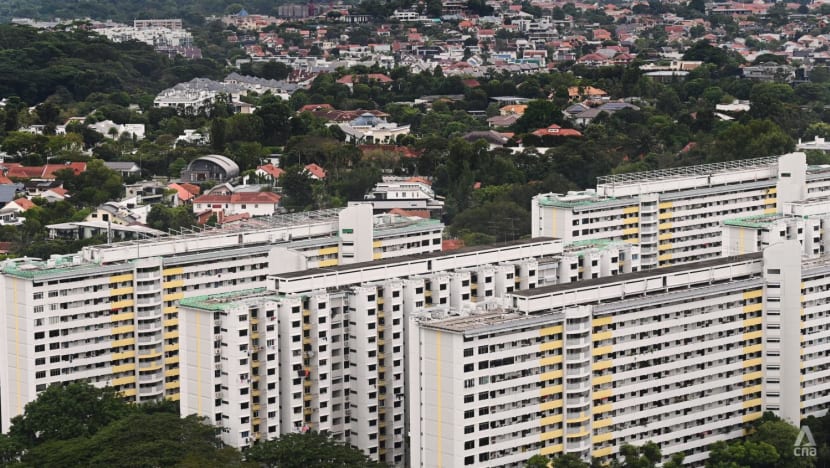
column 81, row 425
column 192, row 11
column 69, row 66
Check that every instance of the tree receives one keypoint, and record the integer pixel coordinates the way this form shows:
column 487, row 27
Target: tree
column 218, row 134
column 140, row 439
column 769, row 445
column 352, row 185
column 756, row 139
column 275, row 115
column 244, row 127
column 538, row 461
column 64, row 412
column 538, row 114
column 309, row 449
column 165, row 218
column 175, row 168
column 274, row 71
column 504, row 220
column 646, row 456
column 296, row 188
column 568, row 460
column 742, row 454
column 96, row 185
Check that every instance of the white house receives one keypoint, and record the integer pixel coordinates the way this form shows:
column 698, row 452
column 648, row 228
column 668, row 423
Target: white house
column 253, row 203
column 112, row 130
column 369, row 128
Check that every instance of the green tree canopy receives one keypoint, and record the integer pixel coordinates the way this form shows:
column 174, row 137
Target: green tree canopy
column 307, row 450
column 96, row 185
column 64, row 412
column 165, row 218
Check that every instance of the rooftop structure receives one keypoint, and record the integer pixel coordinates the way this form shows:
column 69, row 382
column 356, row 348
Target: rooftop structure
column 663, row 211
column 767, row 164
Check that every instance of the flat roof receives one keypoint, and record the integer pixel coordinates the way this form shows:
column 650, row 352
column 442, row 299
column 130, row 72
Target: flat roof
column 408, row 258
column 587, row 283
column 489, row 322
column 757, row 221
column 685, row 171
column 223, row 301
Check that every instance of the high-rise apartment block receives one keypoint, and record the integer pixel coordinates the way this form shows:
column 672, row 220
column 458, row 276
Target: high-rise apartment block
column 483, row 356
column 675, row 215
column 109, row 314
column 324, row 349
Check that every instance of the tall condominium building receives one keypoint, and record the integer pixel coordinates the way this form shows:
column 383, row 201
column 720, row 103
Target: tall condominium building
column 483, row 357
column 682, row 356
column 109, row 314
column 324, row 349
column 675, row 215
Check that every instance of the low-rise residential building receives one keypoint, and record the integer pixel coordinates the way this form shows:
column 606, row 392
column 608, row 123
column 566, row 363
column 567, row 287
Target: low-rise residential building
column 407, row 195
column 369, row 128
column 253, row 203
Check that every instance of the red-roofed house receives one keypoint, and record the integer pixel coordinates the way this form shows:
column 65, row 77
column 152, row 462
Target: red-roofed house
column 315, row 171
column 410, row 213
column 601, row 35
column 47, row 172
column 185, row 193
column 350, row 80
column 315, row 107
column 254, row 203
column 484, row 34
column 556, row 130
column 55, row 194
column 269, row 172
column 586, row 92
column 20, row 205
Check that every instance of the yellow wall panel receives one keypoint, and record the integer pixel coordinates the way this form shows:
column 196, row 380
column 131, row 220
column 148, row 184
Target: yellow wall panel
column 550, row 345
column 551, row 330
column 121, row 278
column 602, row 321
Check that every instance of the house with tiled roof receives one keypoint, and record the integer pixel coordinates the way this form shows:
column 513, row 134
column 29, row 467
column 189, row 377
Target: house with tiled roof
column 498, row 121
column 253, row 203
column 185, row 193
column 269, row 172
column 20, row 205
column 350, row 80
column 46, row 172
column 556, row 130
column 315, row 171
column 586, row 92
column 55, row 194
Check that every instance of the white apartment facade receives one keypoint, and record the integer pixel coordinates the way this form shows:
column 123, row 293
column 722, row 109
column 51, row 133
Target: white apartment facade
column 675, row 215
column 340, row 333
column 108, row 315
column 683, row 356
